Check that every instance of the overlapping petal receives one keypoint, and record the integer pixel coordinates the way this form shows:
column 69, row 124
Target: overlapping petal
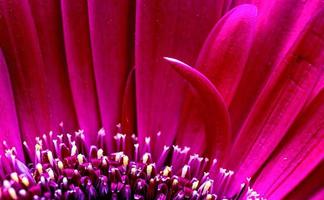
column 216, row 118
column 111, row 32
column 281, row 100
column 223, row 57
column 80, row 65
column 165, row 28
column 299, row 153
column 8, row 116
column 36, row 66
column 279, row 24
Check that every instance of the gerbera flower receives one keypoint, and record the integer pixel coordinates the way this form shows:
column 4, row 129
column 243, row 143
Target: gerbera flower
column 155, row 99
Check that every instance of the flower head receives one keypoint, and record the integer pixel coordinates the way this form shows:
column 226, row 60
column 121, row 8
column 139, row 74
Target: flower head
column 213, row 99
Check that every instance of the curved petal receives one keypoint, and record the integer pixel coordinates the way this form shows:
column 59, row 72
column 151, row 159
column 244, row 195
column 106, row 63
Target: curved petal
column 278, row 26
column 80, row 67
column 223, row 56
column 310, row 186
column 111, row 24
column 161, row 31
column 215, row 114
column 9, row 128
column 300, row 152
column 281, row 100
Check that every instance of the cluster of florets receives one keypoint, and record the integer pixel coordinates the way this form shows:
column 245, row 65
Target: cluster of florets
column 63, row 168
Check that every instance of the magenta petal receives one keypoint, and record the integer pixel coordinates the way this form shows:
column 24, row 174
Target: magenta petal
column 278, row 26
column 298, row 154
column 110, row 30
column 161, row 31
column 51, row 45
column 9, row 128
column 281, row 100
column 310, row 187
column 26, row 67
column 216, row 117
column 128, row 121
column 80, row 68
column 223, row 57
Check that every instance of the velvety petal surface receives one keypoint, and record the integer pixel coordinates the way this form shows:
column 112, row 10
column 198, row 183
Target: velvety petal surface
column 9, row 127
column 165, row 28
column 40, row 107
column 281, row 100
column 80, row 65
column 224, row 54
column 217, row 122
column 310, row 187
column 298, row 154
column 111, row 30
column 278, row 26
column 222, row 60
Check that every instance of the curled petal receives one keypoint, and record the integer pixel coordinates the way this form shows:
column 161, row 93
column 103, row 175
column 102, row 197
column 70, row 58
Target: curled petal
column 223, row 57
column 161, row 31
column 217, row 123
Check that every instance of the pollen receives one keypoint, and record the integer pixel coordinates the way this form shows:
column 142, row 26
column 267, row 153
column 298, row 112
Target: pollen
column 62, row 168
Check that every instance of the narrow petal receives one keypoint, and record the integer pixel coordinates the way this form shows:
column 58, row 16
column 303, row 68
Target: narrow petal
column 51, row 44
column 23, row 55
column 217, row 136
column 278, row 26
column 9, row 127
column 80, row 67
column 297, row 155
column 161, row 31
column 281, row 100
column 111, row 29
column 222, row 60
column 128, row 121
column 223, row 57
column 311, row 185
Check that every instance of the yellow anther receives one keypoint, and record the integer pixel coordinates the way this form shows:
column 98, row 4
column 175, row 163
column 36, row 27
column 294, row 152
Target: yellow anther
column 39, row 168
column 175, row 182
column 25, row 181
column 80, row 159
column 50, row 173
column 99, row 153
column 50, row 157
column 14, row 177
column 125, row 161
column 146, row 157
column 74, row 150
column 60, row 165
column 209, row 197
column 195, row 185
column 12, row 193
column 38, row 147
column 206, row 187
column 166, row 171
column 184, row 171
column 149, row 169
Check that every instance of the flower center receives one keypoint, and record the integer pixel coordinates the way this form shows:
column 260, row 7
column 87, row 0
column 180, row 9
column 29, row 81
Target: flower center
column 62, row 168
